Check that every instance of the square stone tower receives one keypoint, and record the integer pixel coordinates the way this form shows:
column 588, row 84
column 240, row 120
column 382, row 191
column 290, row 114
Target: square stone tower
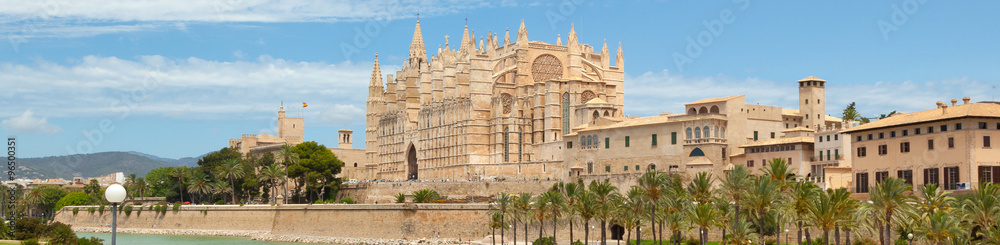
column 812, row 102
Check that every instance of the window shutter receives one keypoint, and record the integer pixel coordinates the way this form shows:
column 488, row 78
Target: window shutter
column 996, row 176
column 926, row 176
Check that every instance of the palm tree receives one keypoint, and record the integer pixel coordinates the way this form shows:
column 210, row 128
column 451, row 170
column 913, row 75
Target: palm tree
column 140, row 186
column 846, row 207
column 779, row 172
column 704, row 215
column 541, row 207
column 652, row 183
column 802, row 195
column 502, row 204
column 890, row 202
column 496, row 221
column 556, row 205
column 604, row 192
column 587, row 208
column 700, row 188
column 734, row 188
column 272, row 174
column 742, row 234
column 633, row 210
column 199, row 184
column 571, row 191
column 232, row 169
column 288, row 157
column 180, row 173
column 982, row 207
column 823, row 213
column 763, row 195
column 522, row 212
column 939, row 227
column 221, row 188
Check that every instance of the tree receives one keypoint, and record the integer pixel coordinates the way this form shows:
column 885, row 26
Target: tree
column 180, row 173
column 522, row 211
column 889, row 201
column 74, row 199
column 272, row 174
column 762, row 196
column 605, row 192
column 288, row 157
column 232, row 169
column 633, row 210
column 982, row 206
column 734, row 188
column 93, row 189
column 850, row 113
column 139, row 187
column 425, row 196
column 316, row 168
column 700, row 188
column 496, row 221
column 571, row 192
column 802, row 196
column 556, row 205
column 200, row 184
column 502, row 204
column 652, row 183
column 587, row 206
column 704, row 215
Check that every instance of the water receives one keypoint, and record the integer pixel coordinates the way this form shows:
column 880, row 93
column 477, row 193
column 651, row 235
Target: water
column 176, row 239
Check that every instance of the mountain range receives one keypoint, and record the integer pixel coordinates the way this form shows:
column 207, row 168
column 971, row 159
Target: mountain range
column 96, row 165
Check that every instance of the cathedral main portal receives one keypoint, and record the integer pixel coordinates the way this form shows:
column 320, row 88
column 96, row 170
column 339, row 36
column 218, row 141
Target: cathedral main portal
column 411, row 163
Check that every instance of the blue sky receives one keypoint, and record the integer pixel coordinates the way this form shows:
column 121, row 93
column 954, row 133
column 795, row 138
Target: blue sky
column 179, row 78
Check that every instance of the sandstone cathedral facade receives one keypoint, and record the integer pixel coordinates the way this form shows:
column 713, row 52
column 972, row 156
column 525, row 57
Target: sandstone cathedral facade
column 498, row 109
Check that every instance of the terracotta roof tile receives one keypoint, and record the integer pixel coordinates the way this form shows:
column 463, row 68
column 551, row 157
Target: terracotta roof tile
column 980, row 109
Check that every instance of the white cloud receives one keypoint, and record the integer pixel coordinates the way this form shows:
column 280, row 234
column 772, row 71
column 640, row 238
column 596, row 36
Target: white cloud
column 28, row 123
column 72, row 19
column 343, row 114
column 185, row 88
column 652, row 93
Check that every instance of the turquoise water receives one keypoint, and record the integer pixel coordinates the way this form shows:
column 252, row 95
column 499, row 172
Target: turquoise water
column 174, row 239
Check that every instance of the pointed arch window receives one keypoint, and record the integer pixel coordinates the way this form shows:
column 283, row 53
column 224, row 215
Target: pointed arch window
column 688, row 131
column 565, row 113
column 707, row 134
column 697, row 133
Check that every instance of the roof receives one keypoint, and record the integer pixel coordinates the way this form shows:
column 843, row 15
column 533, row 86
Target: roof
column 713, row 100
column 779, row 141
column 979, row 109
column 812, row 78
column 702, row 160
column 797, row 113
column 798, row 129
column 596, row 100
column 629, row 123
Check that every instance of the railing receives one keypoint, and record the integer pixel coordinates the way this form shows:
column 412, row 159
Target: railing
column 705, row 141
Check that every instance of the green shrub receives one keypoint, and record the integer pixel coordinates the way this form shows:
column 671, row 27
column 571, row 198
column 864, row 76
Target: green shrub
column 577, row 242
column 76, row 210
column 204, row 212
column 32, row 241
column 60, row 233
column 425, row 196
column 318, row 202
column 151, row 207
column 138, row 211
column 89, row 241
column 545, row 241
column 25, row 229
column 101, row 209
column 347, row 200
column 177, row 206
column 90, row 210
column 400, row 198
column 127, row 209
column 220, row 202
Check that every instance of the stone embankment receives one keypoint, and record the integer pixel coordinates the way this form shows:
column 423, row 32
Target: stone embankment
column 266, row 236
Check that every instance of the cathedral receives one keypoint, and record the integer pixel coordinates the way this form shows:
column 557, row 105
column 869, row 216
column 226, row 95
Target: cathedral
column 496, row 109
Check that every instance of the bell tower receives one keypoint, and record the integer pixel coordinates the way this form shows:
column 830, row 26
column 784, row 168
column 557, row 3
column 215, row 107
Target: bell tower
column 812, row 102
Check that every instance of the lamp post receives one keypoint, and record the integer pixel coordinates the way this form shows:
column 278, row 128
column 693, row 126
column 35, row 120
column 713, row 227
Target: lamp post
column 910, row 236
column 115, row 194
column 786, row 236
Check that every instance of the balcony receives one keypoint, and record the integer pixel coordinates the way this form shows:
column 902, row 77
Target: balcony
column 705, row 141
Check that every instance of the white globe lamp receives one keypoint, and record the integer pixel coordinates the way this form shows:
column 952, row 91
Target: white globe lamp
column 115, row 194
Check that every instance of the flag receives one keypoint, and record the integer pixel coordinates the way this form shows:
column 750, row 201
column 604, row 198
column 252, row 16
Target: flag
column 304, row 104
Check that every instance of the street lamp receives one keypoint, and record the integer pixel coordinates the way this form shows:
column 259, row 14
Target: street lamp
column 786, row 236
column 114, row 194
column 910, row 236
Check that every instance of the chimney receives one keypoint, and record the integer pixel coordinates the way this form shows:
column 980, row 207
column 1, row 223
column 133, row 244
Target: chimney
column 953, row 102
column 944, row 109
column 965, row 100
column 939, row 104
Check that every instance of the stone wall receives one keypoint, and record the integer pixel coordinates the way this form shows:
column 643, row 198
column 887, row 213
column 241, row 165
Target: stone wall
column 384, row 192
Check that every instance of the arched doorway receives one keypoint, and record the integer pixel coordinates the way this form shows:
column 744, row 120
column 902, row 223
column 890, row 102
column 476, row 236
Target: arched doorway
column 617, row 232
column 411, row 163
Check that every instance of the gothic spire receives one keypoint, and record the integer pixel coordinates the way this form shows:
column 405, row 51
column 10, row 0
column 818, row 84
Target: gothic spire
column 418, row 53
column 620, row 61
column 522, row 34
column 465, row 40
column 605, row 56
column 558, row 39
column 375, row 85
column 506, row 38
column 571, row 41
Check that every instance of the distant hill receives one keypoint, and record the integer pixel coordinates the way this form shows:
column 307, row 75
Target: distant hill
column 93, row 165
column 185, row 161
